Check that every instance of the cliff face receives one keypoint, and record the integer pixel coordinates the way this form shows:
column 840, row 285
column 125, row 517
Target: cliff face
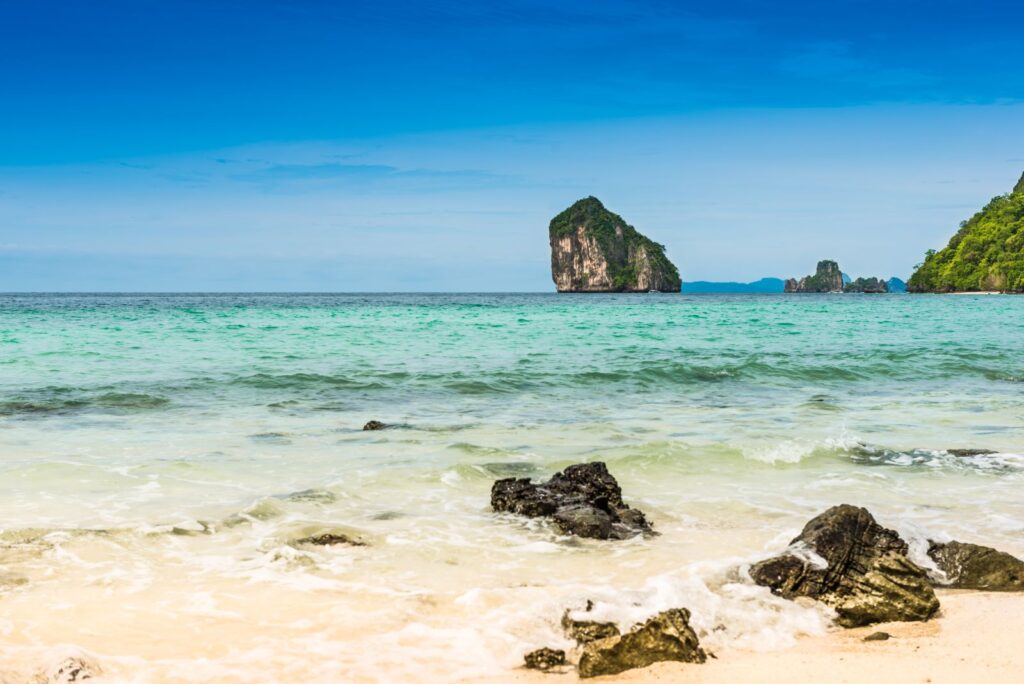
column 827, row 278
column 987, row 253
column 594, row 250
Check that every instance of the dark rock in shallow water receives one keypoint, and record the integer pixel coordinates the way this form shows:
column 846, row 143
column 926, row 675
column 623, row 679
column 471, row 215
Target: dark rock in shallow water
column 374, row 425
column 584, row 500
column 969, row 566
column 330, row 539
column 964, row 453
column 878, row 636
column 72, row 669
column 544, row 659
column 666, row 636
column 862, row 571
column 585, row 631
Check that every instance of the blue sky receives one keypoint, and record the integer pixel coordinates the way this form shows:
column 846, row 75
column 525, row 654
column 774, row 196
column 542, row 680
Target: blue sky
column 286, row 145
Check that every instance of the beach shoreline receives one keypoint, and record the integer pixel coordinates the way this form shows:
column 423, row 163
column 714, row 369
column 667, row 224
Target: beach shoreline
column 975, row 636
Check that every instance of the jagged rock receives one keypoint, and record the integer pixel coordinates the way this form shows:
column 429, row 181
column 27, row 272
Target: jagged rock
column 544, row 659
column 867, row 286
column 827, row 278
column 666, row 636
column 69, row 670
column 594, row 250
column 859, row 568
column 584, row 500
column 330, row 539
column 964, row 453
column 878, row 636
column 374, row 425
column 970, row 566
column 585, row 631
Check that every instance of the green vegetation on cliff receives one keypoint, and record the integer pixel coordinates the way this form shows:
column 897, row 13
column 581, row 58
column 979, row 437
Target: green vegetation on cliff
column 618, row 242
column 987, row 253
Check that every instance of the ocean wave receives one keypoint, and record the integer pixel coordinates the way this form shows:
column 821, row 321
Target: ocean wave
column 61, row 401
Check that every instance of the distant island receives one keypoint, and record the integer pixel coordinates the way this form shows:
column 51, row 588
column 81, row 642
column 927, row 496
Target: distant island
column 829, row 278
column 764, row 285
column 986, row 254
column 594, row 250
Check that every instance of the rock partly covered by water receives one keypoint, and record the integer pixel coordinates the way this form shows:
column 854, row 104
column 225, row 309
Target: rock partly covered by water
column 374, row 425
column 585, row 631
column 827, row 278
column 846, row 560
column 970, row 566
column 330, row 539
column 594, row 250
column 584, row 500
column 867, row 286
column 666, row 636
column 544, row 659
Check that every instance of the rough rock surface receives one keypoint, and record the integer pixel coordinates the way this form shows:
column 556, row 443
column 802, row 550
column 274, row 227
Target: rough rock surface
column 584, row 500
column 867, row 286
column 330, row 539
column 585, row 631
column 544, row 659
column 827, row 278
column 594, row 250
column 966, row 453
column 374, row 425
column 856, row 566
column 666, row 636
column 69, row 670
column 970, row 566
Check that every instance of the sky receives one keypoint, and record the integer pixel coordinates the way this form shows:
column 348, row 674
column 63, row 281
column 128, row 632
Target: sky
column 215, row 145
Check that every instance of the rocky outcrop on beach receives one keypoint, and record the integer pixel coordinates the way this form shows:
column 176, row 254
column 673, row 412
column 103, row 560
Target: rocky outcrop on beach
column 594, row 250
column 846, row 560
column 867, row 286
column 544, row 659
column 667, row 636
column 585, row 631
column 970, row 566
column 827, row 278
column 583, row 500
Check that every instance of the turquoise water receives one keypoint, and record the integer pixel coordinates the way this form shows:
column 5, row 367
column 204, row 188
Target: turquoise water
column 151, row 448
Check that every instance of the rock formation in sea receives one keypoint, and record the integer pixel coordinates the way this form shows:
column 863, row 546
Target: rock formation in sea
column 666, row 636
column 970, row 566
column 374, row 425
column 856, row 566
column 584, row 500
column 827, row 278
column 594, row 250
column 986, row 254
column 867, row 286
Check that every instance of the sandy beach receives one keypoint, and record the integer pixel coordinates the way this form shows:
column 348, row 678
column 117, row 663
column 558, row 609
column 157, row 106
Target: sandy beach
column 976, row 637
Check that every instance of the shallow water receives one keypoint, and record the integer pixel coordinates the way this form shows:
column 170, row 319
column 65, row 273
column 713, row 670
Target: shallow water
column 159, row 454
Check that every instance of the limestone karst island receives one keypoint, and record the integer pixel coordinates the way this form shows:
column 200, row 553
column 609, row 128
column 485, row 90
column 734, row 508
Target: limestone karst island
column 986, row 254
column 594, row 250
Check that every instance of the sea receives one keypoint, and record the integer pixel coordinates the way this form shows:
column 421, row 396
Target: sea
column 160, row 454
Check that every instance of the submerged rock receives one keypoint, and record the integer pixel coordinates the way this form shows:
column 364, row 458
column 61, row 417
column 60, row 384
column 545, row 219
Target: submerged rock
column 331, row 539
column 584, row 500
column 374, row 425
column 666, row 636
column 855, row 565
column 585, row 631
column 969, row 566
column 69, row 670
column 966, row 453
column 544, row 659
